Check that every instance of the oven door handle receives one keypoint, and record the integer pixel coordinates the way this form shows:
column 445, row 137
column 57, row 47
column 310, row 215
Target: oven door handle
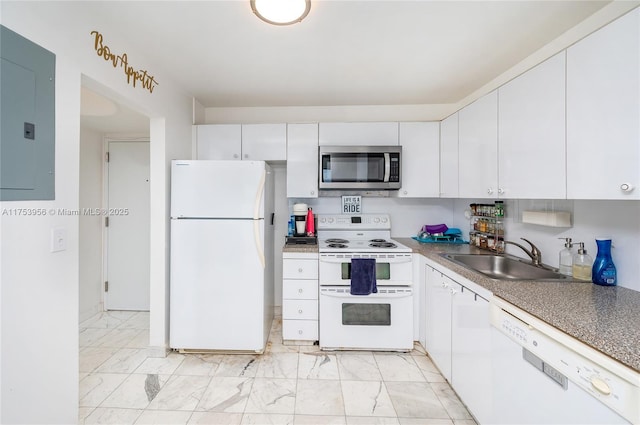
column 378, row 295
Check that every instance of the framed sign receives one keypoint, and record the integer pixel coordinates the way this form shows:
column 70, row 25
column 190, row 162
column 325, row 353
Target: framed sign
column 352, row 204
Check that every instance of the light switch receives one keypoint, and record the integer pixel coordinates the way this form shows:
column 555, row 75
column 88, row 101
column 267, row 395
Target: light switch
column 58, row 239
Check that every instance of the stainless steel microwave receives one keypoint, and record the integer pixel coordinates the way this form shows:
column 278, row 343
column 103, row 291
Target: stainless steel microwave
column 360, row 167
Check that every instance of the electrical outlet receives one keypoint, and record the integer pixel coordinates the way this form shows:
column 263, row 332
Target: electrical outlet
column 58, row 239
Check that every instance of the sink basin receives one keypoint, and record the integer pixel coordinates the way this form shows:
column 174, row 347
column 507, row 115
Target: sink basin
column 503, row 267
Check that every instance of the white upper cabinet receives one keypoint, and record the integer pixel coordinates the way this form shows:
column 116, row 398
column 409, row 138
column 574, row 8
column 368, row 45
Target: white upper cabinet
column 264, row 142
column 531, row 133
column 302, row 161
column 359, row 134
column 420, row 159
column 218, row 141
column 449, row 157
column 603, row 112
column 478, row 148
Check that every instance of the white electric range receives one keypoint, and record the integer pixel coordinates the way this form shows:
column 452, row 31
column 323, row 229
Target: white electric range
column 379, row 321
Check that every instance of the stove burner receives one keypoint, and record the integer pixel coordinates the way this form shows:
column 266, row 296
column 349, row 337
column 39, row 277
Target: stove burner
column 337, row 245
column 337, row 241
column 377, row 240
column 383, row 245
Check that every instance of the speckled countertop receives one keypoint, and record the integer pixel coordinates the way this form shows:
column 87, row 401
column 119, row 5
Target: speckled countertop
column 300, row 248
column 605, row 318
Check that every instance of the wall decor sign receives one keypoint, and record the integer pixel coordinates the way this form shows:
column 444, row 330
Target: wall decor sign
column 133, row 76
column 351, row 204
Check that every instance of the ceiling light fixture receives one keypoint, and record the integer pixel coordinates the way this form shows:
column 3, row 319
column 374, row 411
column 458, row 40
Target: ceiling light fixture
column 281, row 12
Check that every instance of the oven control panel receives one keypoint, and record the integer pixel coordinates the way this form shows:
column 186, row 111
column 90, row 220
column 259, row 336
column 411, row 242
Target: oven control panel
column 354, row 222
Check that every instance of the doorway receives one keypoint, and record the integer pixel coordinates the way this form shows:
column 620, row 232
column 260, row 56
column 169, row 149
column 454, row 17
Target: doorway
column 102, row 120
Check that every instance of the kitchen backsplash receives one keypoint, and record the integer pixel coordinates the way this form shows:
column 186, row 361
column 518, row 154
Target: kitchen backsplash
column 619, row 220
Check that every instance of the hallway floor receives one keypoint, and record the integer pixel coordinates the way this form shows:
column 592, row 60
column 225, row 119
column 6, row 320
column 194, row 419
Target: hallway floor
column 119, row 384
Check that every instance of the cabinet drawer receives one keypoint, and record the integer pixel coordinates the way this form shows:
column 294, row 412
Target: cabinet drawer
column 299, row 269
column 293, row 289
column 300, row 309
column 300, row 329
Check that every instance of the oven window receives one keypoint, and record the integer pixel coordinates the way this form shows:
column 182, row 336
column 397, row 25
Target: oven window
column 383, row 271
column 366, row 314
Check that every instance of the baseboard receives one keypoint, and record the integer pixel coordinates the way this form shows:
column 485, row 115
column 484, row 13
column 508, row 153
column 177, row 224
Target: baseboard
column 90, row 312
column 158, row 351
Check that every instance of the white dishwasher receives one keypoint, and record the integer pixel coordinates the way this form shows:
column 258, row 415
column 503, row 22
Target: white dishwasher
column 543, row 376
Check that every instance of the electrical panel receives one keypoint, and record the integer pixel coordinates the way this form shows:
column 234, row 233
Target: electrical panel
column 27, row 119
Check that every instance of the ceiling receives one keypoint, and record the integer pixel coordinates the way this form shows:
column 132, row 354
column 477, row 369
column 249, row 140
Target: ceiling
column 344, row 53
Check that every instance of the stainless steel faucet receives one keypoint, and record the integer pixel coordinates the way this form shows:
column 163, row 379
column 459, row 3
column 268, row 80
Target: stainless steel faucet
column 534, row 254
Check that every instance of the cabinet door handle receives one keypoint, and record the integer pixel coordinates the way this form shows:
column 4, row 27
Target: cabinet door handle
column 490, row 191
column 626, row 187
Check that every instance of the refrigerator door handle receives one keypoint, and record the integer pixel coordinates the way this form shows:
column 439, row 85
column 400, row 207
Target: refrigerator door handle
column 256, row 238
column 259, row 194
column 256, row 218
column 273, row 217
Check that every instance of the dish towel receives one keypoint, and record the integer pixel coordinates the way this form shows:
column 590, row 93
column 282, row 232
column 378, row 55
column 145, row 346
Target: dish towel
column 363, row 276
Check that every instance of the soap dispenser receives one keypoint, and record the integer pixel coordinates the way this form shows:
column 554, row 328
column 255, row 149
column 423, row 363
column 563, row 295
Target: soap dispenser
column 604, row 271
column 566, row 258
column 582, row 264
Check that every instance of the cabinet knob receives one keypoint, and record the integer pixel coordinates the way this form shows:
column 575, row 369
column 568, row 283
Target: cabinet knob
column 500, row 191
column 300, row 270
column 453, row 291
column 299, row 331
column 300, row 311
column 246, row 155
column 489, row 191
column 235, row 155
column 313, row 192
column 626, row 187
column 300, row 291
column 405, row 192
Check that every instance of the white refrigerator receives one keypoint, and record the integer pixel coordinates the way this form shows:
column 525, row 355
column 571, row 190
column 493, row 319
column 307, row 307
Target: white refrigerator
column 221, row 290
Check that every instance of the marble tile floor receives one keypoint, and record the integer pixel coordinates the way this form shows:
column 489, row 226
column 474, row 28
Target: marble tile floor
column 120, row 384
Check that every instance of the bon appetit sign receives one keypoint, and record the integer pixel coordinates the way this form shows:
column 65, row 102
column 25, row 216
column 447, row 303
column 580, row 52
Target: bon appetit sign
column 135, row 77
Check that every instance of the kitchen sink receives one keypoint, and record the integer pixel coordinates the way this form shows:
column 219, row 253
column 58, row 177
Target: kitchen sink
column 504, row 267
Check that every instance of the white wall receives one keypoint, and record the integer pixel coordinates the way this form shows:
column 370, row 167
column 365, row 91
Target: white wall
column 90, row 233
column 39, row 289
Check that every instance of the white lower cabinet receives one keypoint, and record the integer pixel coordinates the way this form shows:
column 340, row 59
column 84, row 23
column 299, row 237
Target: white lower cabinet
column 458, row 338
column 438, row 316
column 300, row 296
column 471, row 351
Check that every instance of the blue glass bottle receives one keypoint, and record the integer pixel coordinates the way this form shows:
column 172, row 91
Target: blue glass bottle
column 604, row 271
